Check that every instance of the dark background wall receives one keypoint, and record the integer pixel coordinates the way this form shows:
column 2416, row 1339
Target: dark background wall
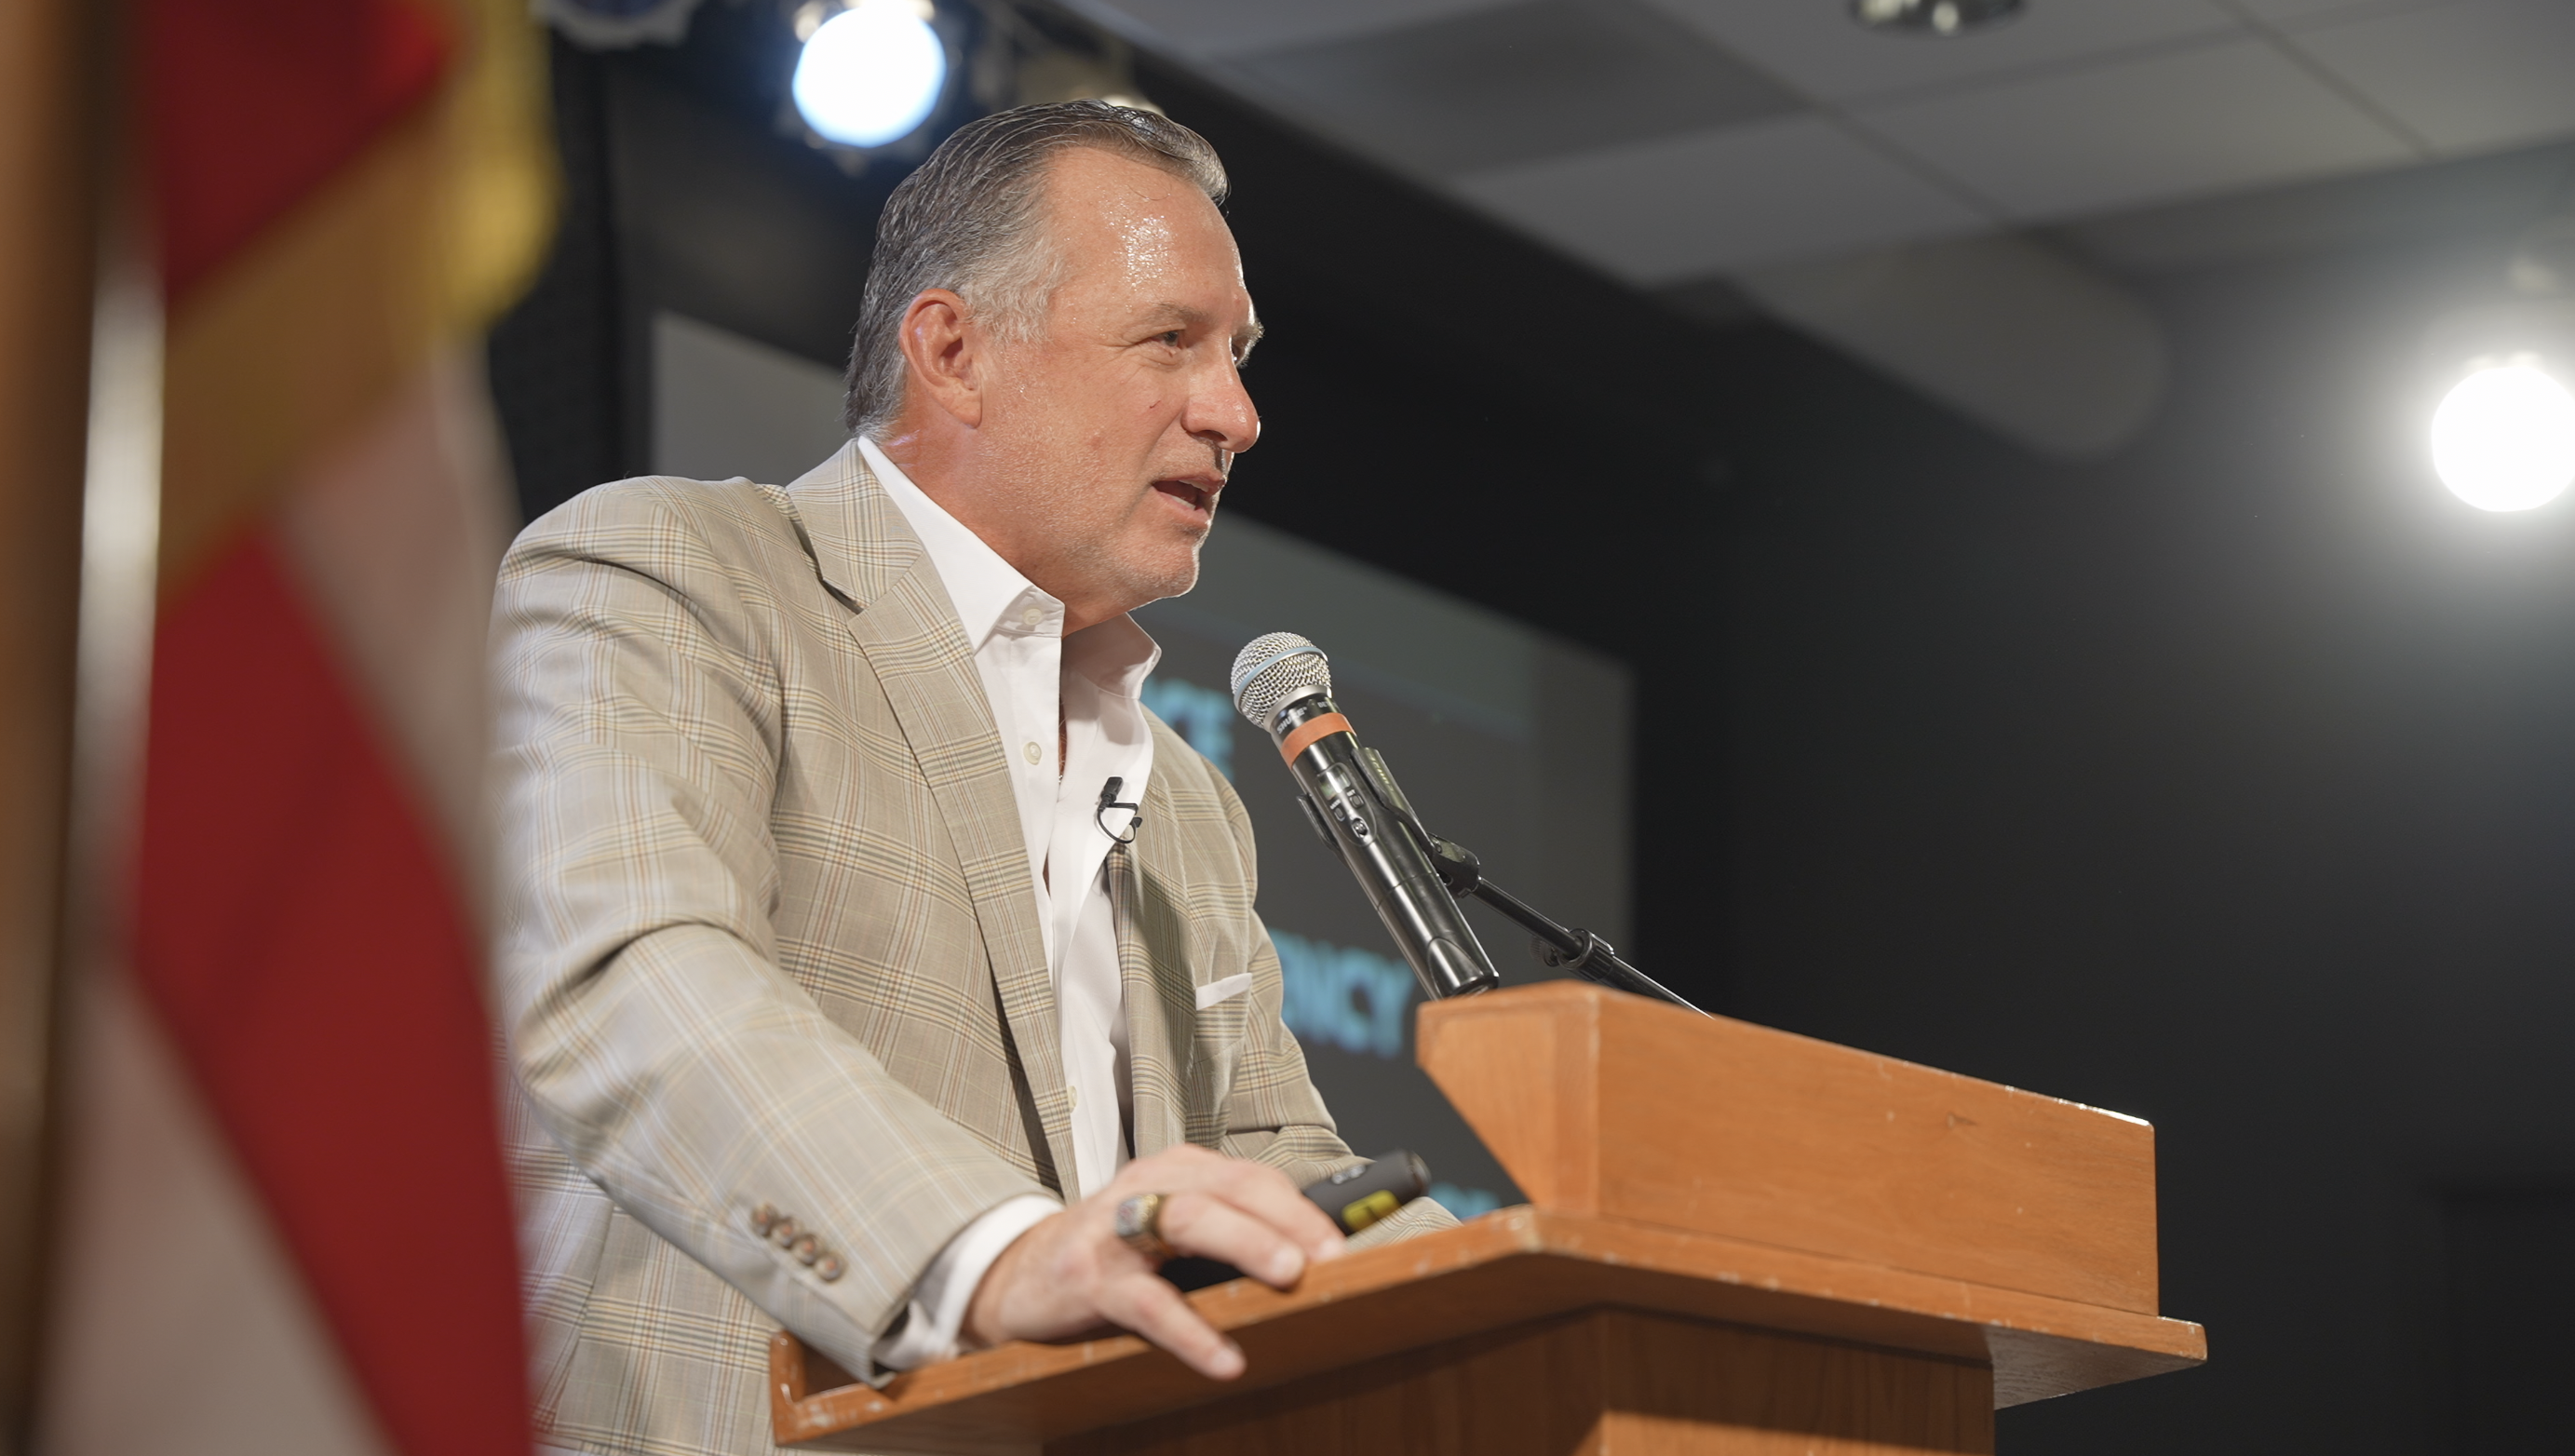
column 2229, row 782
column 2226, row 785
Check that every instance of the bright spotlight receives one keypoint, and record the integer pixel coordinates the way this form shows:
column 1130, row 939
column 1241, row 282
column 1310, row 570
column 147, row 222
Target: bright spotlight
column 872, row 73
column 2504, row 438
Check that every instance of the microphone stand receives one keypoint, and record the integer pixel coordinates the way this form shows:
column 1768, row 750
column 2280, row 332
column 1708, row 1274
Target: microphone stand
column 1558, row 946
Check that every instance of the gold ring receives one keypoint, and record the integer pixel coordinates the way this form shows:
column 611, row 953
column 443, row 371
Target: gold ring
column 1139, row 1224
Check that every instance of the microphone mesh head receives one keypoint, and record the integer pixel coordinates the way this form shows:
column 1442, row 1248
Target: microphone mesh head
column 1272, row 670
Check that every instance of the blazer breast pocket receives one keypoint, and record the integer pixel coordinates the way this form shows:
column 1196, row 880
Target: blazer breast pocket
column 1224, row 1018
column 1231, row 988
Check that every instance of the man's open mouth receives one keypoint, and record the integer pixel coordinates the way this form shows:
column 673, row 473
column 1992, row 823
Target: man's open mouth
column 1195, row 497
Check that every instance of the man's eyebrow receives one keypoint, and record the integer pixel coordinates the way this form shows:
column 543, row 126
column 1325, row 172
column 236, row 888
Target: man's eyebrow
column 1177, row 315
column 1185, row 317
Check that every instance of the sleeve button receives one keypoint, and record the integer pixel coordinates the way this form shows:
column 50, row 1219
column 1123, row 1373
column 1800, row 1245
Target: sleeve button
column 782, row 1232
column 805, row 1249
column 828, row 1268
column 763, row 1218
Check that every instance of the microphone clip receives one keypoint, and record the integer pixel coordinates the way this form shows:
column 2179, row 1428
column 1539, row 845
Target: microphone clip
column 1107, row 802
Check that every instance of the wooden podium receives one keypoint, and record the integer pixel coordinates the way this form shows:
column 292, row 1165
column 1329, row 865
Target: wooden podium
column 1741, row 1241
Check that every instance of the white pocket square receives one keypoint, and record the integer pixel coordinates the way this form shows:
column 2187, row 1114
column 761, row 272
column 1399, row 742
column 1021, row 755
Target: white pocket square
column 1224, row 990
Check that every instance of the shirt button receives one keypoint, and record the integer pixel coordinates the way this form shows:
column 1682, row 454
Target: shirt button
column 1032, row 615
column 1034, row 753
column 1073, row 1097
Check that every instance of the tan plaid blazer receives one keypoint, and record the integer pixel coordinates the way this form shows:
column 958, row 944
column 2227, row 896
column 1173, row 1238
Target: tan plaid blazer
column 767, row 937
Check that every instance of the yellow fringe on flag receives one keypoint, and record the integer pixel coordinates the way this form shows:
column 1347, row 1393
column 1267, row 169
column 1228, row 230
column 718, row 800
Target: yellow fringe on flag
column 421, row 241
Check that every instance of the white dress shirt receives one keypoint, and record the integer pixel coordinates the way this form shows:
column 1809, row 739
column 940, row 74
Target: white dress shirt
column 1050, row 695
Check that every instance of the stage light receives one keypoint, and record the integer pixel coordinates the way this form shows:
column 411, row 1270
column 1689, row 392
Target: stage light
column 871, row 74
column 2504, row 437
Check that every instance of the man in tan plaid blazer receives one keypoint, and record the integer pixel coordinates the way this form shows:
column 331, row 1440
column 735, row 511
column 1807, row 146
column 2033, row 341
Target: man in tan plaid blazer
column 779, row 1005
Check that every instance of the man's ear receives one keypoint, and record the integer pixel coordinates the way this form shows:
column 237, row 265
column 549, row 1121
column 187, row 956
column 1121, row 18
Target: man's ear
column 943, row 356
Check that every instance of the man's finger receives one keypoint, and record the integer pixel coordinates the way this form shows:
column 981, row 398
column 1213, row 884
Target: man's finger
column 1258, row 1189
column 1266, row 1194
column 1154, row 1309
column 1209, row 1227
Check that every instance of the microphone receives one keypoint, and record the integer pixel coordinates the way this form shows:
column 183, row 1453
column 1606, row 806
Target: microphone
column 1283, row 685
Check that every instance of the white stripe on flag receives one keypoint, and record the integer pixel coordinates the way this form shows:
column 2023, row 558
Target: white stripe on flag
column 397, row 537
column 189, row 1333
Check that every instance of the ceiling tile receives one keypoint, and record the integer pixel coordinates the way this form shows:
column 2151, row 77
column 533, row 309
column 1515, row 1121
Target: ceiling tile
column 2167, row 126
column 1533, row 80
column 2466, row 76
column 1228, row 27
column 1683, row 207
column 1815, row 46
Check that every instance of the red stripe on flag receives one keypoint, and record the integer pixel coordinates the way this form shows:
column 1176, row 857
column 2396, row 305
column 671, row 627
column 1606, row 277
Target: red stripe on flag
column 301, row 937
column 251, row 105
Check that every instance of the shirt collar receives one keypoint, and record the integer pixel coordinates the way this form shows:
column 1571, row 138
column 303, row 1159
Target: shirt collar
column 991, row 596
column 988, row 593
column 1115, row 656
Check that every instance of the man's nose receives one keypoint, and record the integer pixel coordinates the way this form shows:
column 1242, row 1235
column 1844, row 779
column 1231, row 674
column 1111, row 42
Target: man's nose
column 1222, row 412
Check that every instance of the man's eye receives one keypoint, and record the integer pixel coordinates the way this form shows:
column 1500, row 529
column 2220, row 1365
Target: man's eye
column 1172, row 338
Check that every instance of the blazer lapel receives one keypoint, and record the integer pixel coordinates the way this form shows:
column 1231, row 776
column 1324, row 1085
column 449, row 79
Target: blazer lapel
column 908, row 632
column 1162, row 1004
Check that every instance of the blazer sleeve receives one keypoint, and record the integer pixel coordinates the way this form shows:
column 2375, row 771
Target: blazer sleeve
column 655, row 1036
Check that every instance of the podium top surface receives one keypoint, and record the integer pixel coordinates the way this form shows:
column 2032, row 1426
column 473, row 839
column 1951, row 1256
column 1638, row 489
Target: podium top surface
column 1511, row 1266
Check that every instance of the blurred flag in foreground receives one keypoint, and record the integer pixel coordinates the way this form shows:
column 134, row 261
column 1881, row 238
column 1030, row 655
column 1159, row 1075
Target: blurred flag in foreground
column 283, row 1225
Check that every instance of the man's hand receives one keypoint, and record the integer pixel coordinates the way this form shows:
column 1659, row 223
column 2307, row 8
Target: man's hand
column 1070, row 1273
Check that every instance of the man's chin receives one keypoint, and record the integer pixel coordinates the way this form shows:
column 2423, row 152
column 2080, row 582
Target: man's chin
column 1157, row 579
column 1137, row 569
column 1172, row 583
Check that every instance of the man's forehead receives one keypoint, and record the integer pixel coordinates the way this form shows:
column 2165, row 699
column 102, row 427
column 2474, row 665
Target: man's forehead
column 1154, row 231
column 1087, row 187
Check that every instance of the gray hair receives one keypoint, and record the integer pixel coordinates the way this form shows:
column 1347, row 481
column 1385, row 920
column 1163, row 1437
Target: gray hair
column 968, row 220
